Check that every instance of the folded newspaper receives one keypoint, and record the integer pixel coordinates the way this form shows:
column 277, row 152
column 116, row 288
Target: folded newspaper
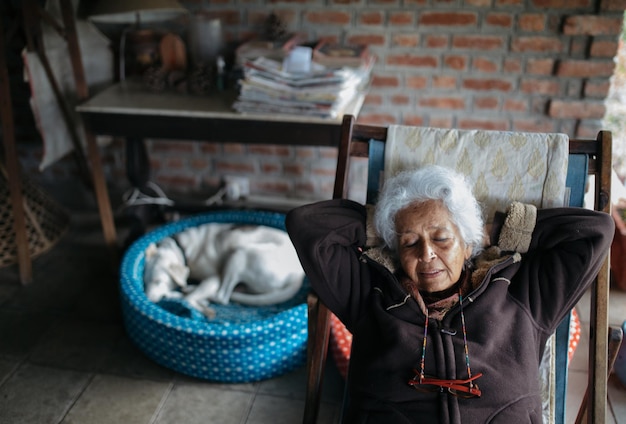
column 322, row 92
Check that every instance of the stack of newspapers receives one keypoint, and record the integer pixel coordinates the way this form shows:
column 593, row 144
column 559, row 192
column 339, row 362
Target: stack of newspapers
column 322, row 92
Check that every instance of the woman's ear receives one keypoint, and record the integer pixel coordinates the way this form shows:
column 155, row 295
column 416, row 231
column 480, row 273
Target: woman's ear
column 468, row 251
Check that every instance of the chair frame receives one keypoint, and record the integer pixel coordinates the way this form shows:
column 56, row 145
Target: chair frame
column 354, row 143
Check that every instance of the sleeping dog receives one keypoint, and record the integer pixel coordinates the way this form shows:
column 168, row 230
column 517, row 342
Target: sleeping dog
column 248, row 264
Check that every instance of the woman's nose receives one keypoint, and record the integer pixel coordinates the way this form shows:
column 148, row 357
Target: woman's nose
column 426, row 253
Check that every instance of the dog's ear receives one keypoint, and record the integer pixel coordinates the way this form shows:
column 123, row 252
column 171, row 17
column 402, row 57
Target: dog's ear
column 151, row 250
column 179, row 274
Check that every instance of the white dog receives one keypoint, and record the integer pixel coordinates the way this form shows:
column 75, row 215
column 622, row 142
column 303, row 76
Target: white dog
column 249, row 264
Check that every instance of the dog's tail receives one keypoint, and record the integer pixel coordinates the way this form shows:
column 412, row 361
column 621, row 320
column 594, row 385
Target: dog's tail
column 278, row 296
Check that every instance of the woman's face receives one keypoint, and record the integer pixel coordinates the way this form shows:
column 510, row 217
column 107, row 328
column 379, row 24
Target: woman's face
column 432, row 252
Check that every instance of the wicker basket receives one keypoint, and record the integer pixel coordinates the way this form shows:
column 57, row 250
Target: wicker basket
column 46, row 220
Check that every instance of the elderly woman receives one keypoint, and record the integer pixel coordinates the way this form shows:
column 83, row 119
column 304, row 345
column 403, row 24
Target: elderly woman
column 446, row 330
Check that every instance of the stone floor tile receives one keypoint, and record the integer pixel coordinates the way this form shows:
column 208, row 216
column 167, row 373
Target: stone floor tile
column 76, row 345
column 269, row 409
column 112, row 399
column 20, row 331
column 6, row 369
column 202, row 403
column 617, row 400
column 36, row 395
column 127, row 360
column 576, row 387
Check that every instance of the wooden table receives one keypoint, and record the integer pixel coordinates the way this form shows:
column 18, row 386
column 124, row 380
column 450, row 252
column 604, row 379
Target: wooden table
column 130, row 110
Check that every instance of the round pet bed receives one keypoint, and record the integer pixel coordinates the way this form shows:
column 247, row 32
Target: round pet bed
column 241, row 344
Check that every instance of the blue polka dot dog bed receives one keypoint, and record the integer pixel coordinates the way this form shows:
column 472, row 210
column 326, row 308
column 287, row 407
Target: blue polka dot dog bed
column 241, row 344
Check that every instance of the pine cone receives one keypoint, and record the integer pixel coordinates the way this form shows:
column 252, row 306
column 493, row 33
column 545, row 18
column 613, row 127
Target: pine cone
column 275, row 29
column 201, row 79
column 156, row 77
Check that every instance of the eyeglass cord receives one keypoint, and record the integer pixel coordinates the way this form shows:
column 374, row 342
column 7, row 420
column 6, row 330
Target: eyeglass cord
column 466, row 348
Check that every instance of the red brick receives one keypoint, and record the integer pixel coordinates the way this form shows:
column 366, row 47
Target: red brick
column 444, row 81
column 487, row 124
column 304, row 152
column 441, row 121
column 294, row 169
column 536, row 44
column 540, row 66
column 176, row 163
column 529, row 125
column 269, row 150
column 576, row 109
column 400, row 100
column 376, row 119
column 487, row 84
column 415, row 2
column 502, row 20
column 484, row 64
column 373, row 99
column 320, row 170
column 512, row 105
column 199, row 163
column 443, row 102
column 234, row 148
column 305, row 188
column 549, row 87
column 225, row 167
column 436, row 41
column 174, row 146
column 401, row 18
column 257, row 18
column 613, row 5
column 385, row 81
column 456, row 62
column 486, row 102
column 371, row 18
column 592, row 25
column 367, row 39
column 417, row 82
column 412, row 60
column 532, row 22
column 209, row 148
column 405, row 40
column 562, row 4
column 226, row 17
column 270, row 168
column 578, row 47
column 512, row 65
column 455, row 19
column 274, row 187
column 413, row 120
column 327, row 152
column 588, row 129
column 585, row 69
column 478, row 42
column 597, row 89
column 478, row 3
column 328, row 17
column 603, row 48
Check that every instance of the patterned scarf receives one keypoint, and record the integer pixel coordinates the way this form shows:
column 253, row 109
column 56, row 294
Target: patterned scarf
column 438, row 303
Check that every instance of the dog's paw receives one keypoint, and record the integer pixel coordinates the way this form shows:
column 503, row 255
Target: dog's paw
column 208, row 312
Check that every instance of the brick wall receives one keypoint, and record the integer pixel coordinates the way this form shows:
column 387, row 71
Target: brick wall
column 522, row 65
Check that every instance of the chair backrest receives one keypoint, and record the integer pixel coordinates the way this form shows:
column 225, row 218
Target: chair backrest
column 589, row 160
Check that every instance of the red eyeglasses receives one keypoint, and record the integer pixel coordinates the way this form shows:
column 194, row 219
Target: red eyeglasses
column 463, row 388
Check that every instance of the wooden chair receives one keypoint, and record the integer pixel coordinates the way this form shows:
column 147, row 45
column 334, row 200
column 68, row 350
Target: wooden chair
column 597, row 153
